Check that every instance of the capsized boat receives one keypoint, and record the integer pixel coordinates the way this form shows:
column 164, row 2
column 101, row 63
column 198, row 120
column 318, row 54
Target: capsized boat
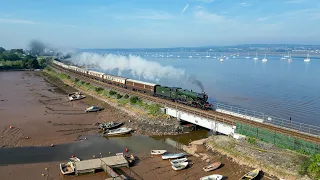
column 173, row 156
column 180, row 166
column 212, row 166
column 212, row 177
column 177, row 161
column 119, row 131
column 68, row 168
column 110, row 125
column 158, row 152
column 251, row 175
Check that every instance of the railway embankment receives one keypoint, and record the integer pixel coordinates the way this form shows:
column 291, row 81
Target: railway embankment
column 149, row 118
column 271, row 159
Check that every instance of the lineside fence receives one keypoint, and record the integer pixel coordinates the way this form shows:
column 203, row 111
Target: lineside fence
column 278, row 139
column 284, row 123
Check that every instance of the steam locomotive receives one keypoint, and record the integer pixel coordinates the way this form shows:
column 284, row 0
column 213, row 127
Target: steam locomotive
column 175, row 94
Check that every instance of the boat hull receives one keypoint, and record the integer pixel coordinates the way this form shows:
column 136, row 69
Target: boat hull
column 180, row 166
column 158, row 152
column 172, row 156
column 212, row 177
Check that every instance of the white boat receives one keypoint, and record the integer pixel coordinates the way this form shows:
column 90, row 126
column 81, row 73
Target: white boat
column 215, row 56
column 75, row 96
column 265, row 58
column 212, row 177
column 177, row 161
column 221, row 59
column 158, row 152
column 282, row 58
column 190, row 55
column 287, row 55
column 248, row 57
column 68, row 168
column 180, row 166
column 119, row 131
column 172, row 156
column 256, row 58
column 207, row 56
column 307, row 59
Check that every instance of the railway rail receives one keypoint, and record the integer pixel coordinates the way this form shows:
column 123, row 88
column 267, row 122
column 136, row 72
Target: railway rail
column 218, row 116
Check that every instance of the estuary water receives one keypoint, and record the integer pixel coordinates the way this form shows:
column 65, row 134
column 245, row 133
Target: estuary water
column 277, row 87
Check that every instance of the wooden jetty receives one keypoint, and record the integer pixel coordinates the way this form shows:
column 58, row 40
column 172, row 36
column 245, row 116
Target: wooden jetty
column 106, row 163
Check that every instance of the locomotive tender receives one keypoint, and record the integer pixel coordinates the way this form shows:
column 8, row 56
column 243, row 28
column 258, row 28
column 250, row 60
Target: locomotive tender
column 175, row 94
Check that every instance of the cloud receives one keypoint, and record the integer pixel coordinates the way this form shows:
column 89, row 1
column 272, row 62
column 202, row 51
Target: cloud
column 294, row 1
column 244, row 4
column 146, row 14
column 17, row 21
column 206, row 1
column 202, row 14
column 185, row 8
column 263, row 18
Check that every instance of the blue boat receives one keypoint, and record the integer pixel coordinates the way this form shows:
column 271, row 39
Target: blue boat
column 173, row 156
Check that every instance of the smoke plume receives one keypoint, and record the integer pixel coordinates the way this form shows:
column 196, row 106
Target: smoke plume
column 137, row 66
column 38, row 48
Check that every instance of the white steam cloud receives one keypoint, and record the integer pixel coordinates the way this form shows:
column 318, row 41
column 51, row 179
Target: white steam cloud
column 137, row 66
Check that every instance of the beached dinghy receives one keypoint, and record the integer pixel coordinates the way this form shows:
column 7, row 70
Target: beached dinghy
column 177, row 161
column 119, row 131
column 212, row 167
column 172, row 156
column 212, row 177
column 75, row 96
column 158, row 152
column 251, row 175
column 68, row 168
column 180, row 166
column 110, row 125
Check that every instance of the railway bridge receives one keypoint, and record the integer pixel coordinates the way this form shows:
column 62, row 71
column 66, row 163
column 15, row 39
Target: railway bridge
column 221, row 117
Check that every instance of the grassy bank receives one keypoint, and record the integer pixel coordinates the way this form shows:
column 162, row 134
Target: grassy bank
column 132, row 103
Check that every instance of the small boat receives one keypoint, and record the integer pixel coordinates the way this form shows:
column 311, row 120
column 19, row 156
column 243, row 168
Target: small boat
column 172, row 156
column 212, row 177
column 119, row 131
column 110, row 125
column 94, row 109
column 158, row 152
column 177, row 161
column 68, row 168
column 180, row 166
column 75, row 96
column 130, row 158
column 251, row 175
column 212, row 167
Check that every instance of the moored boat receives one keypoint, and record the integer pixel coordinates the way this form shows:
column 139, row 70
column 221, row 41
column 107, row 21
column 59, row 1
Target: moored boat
column 180, row 166
column 212, row 166
column 212, row 177
column 158, row 152
column 119, row 131
column 173, row 156
column 75, row 96
column 68, row 168
column 177, row 161
column 110, row 125
column 251, row 175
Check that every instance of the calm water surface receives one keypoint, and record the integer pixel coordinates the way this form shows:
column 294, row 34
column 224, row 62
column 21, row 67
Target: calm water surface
column 277, row 87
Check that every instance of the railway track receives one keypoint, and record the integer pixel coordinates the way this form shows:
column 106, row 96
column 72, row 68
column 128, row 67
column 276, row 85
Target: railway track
column 218, row 116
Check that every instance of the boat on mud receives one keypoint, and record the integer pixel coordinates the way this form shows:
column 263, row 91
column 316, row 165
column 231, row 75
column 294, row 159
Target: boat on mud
column 251, row 175
column 118, row 131
column 94, row 109
column 130, row 158
column 158, row 152
column 173, row 156
column 212, row 166
column 110, row 125
column 212, row 177
column 69, row 167
column 177, row 161
column 180, row 166
column 75, row 96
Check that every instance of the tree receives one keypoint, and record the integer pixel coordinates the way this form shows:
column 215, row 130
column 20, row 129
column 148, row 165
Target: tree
column 31, row 62
column 314, row 167
column 2, row 50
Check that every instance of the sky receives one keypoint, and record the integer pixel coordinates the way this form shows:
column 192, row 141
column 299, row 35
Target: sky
column 158, row 23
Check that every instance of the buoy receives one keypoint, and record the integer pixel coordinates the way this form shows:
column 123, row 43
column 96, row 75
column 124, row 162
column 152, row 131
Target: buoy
column 127, row 149
column 109, row 152
column 72, row 156
column 10, row 127
column 46, row 169
column 52, row 145
column 85, row 138
column 42, row 174
column 27, row 137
